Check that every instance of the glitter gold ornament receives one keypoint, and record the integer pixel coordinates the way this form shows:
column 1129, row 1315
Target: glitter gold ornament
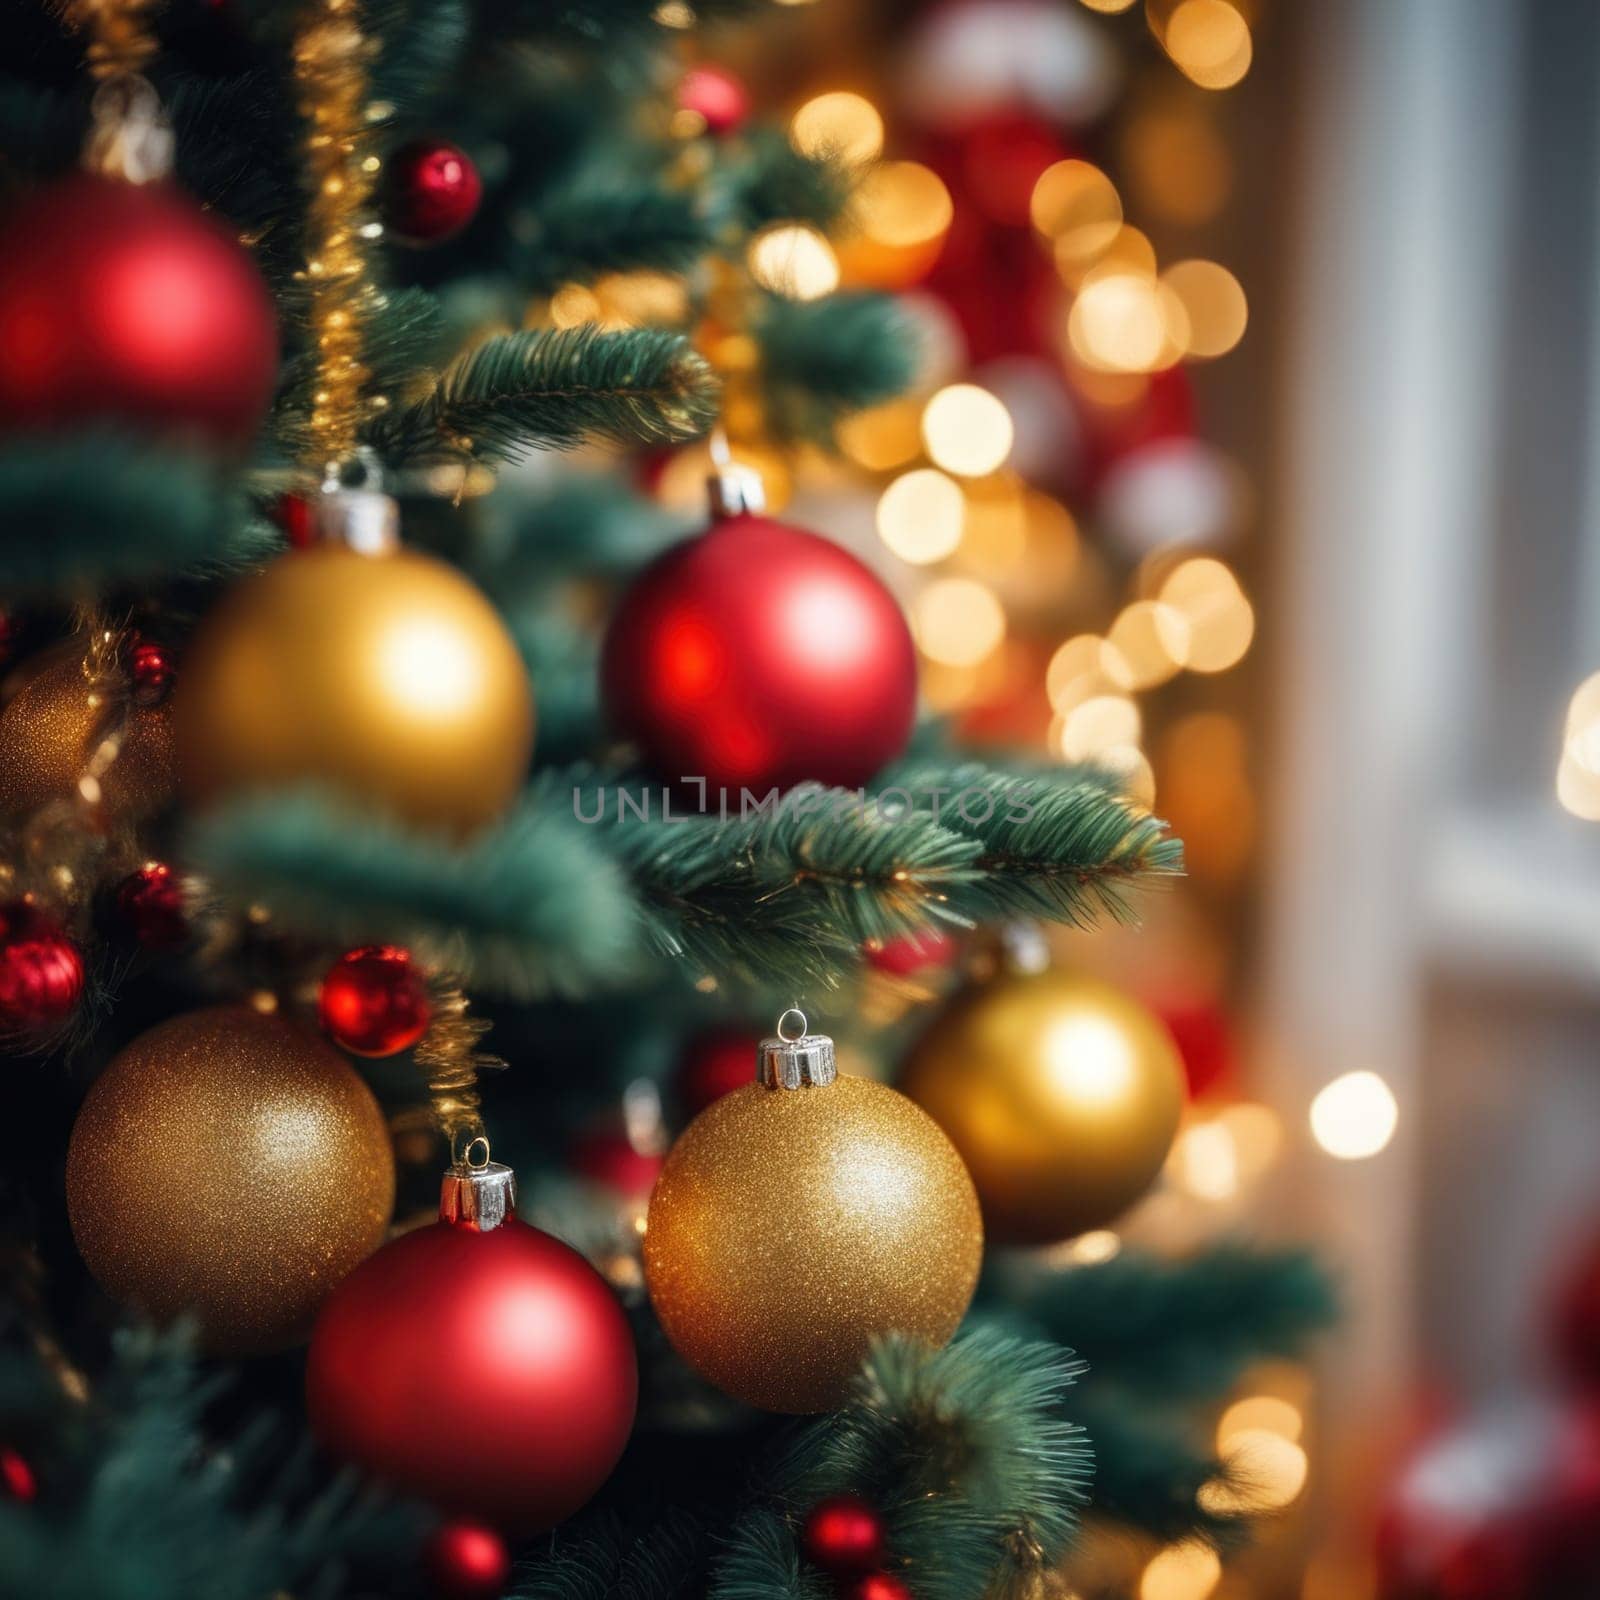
column 1061, row 1093
column 800, row 1217
column 232, row 1166
column 386, row 676
column 48, row 734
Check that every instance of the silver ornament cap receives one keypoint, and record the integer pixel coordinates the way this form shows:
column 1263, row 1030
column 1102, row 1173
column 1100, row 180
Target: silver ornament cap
column 478, row 1196
column 795, row 1058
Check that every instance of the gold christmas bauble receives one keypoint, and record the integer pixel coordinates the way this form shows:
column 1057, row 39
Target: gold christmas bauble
column 388, row 677
column 233, row 1167
column 47, row 736
column 789, row 1227
column 1060, row 1092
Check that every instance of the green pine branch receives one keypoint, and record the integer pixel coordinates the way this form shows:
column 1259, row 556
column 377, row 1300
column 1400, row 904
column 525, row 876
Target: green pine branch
column 592, row 227
column 555, row 388
column 767, row 180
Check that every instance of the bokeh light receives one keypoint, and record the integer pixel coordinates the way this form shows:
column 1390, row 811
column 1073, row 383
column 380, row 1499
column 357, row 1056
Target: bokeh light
column 1076, row 206
column 1221, row 621
column 921, row 515
column 841, row 124
column 1209, row 42
column 1188, row 1571
column 1204, row 1161
column 1259, row 1413
column 1355, row 1116
column 1578, row 777
column 967, row 430
column 903, row 203
column 793, row 260
column 882, row 437
column 1263, row 1471
column 1150, row 643
column 1097, row 724
column 1177, row 163
column 1127, row 322
column 958, row 621
column 1213, row 302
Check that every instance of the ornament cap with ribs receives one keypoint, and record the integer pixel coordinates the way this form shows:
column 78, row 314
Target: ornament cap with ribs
column 795, row 1061
column 480, row 1196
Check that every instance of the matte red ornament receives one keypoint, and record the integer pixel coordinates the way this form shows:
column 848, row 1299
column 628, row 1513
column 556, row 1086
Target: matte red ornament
column 714, row 1063
column 41, row 971
column 491, row 1373
column 607, row 1156
column 150, row 672
column 758, row 655
column 876, row 1586
column 912, row 952
column 292, row 513
column 16, row 1476
column 150, row 902
column 1204, row 1037
column 432, row 192
column 466, row 1561
column 374, row 1001
column 128, row 302
column 843, row 1535
column 718, row 98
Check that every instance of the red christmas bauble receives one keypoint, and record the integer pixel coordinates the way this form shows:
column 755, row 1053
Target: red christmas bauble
column 756, row 656
column 432, row 192
column 912, row 952
column 843, row 1535
column 716, row 97
column 1204, row 1037
column 374, row 1001
column 713, row 1063
column 150, row 901
column 127, row 302
column 466, row 1561
column 609, row 1157
column 876, row 1586
column 41, row 971
column 492, row 1374
column 16, row 1476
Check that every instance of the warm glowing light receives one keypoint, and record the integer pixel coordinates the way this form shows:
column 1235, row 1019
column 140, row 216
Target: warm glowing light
column 883, row 436
column 1126, row 322
column 1259, row 1413
column 1181, row 1572
column 1130, row 253
column 958, row 621
column 1257, row 1137
column 1209, row 43
column 1578, row 788
column 1355, row 1116
column 1128, row 764
column 1101, row 721
column 1093, row 1248
column 1263, row 1472
column 1151, row 642
column 1221, row 621
column 996, row 539
column 1578, row 777
column 1205, row 1162
column 1214, row 303
column 430, row 668
column 1583, row 716
column 1109, row 7
column 1077, row 206
column 793, row 260
column 903, row 203
column 921, row 515
column 573, row 305
column 1087, row 1060
column 841, row 124
column 1085, row 665
column 967, row 430
column 1178, row 163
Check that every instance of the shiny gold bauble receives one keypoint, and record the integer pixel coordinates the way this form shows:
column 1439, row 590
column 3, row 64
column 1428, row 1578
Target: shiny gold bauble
column 233, row 1167
column 47, row 736
column 790, row 1227
column 1061, row 1093
column 387, row 677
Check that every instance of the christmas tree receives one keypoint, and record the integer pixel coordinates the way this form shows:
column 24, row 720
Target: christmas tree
column 376, row 719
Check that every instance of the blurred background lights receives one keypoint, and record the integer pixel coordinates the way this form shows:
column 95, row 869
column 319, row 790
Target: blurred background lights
column 921, row 515
column 1076, row 206
column 1098, row 723
column 793, row 260
column 1093, row 1248
column 1127, row 322
column 1221, row 621
column 1177, row 162
column 1188, row 1571
column 903, row 203
column 1205, row 1162
column 883, row 436
column 1209, row 42
column 967, row 430
column 1259, row 1413
column 1578, row 777
column 839, row 124
column 1213, row 302
column 958, row 621
column 1355, row 1116
column 1109, row 7
column 1149, row 644
column 1264, row 1472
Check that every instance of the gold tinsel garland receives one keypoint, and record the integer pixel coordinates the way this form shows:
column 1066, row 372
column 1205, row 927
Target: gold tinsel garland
column 449, row 1057
column 122, row 41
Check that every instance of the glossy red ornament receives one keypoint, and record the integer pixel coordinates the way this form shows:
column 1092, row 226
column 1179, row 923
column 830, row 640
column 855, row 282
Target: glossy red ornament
column 150, row 672
column 843, row 1535
column 876, row 1586
column 711, row 1064
column 432, row 192
column 374, row 1002
column 128, row 302
column 466, row 1561
column 758, row 655
column 492, row 1374
column 912, row 952
column 718, row 98
column 41, row 971
column 17, row 1481
column 150, row 902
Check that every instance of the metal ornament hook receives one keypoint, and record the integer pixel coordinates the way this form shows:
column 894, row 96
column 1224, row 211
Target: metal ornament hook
column 795, row 1060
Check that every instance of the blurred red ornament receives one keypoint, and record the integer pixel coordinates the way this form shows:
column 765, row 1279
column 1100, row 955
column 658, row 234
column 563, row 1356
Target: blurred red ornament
column 1577, row 1317
column 1002, row 159
column 16, row 1476
column 843, row 1535
column 292, row 513
column 466, row 1561
column 491, row 1373
column 912, row 952
column 432, row 193
column 41, row 971
column 716, row 97
column 149, row 672
column 876, row 1586
column 128, row 302
column 374, row 1001
column 150, row 901
column 713, row 1063
column 609, row 1157
column 756, row 656
column 1204, row 1038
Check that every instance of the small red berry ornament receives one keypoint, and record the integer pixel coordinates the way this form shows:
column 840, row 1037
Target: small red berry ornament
column 843, row 1535
column 466, row 1561
column 757, row 655
column 912, row 952
column 432, row 193
column 150, row 672
column 41, row 971
column 17, row 1481
column 150, row 902
column 716, row 97
column 478, row 1364
column 876, row 1586
column 126, row 302
column 713, row 1063
column 374, row 1001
